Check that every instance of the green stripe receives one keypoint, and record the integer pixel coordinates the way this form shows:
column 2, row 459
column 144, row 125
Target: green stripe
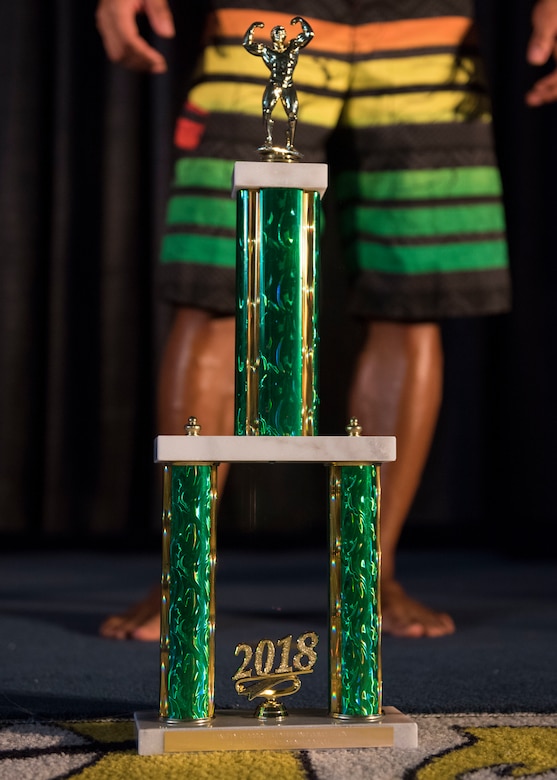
column 483, row 255
column 210, row 250
column 204, row 172
column 481, row 181
column 216, row 212
column 451, row 220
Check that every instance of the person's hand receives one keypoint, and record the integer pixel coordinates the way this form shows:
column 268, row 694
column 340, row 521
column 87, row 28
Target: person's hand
column 117, row 25
column 541, row 46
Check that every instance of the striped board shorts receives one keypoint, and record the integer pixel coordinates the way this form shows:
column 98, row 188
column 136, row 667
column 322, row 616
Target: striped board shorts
column 392, row 95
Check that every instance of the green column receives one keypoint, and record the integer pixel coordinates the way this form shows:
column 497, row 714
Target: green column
column 188, row 615
column 355, row 615
column 276, row 342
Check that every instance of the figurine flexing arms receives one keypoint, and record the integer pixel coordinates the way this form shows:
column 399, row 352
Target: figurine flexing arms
column 281, row 60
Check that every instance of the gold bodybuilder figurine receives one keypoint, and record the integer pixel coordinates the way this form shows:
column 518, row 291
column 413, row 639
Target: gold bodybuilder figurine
column 281, row 59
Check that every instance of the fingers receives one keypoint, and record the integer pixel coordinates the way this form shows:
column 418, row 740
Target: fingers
column 543, row 91
column 117, row 25
column 544, row 32
column 541, row 47
column 160, row 17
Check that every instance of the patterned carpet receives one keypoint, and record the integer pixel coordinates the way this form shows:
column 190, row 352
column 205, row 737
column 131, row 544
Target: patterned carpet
column 483, row 747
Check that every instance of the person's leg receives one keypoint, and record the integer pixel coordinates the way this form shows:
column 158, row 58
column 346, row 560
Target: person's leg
column 196, row 378
column 397, row 390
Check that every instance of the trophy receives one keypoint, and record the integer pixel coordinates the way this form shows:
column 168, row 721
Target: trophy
column 276, row 421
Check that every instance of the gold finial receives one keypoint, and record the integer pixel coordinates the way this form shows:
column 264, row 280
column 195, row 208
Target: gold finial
column 353, row 428
column 192, row 428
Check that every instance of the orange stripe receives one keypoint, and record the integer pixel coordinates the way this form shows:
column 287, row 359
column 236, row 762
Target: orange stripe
column 344, row 39
column 414, row 34
column 233, row 23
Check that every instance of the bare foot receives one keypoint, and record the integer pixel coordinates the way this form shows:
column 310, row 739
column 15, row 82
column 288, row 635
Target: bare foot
column 141, row 621
column 402, row 616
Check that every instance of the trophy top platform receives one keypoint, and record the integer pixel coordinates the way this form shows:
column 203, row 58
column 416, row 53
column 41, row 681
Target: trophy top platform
column 341, row 450
column 311, row 177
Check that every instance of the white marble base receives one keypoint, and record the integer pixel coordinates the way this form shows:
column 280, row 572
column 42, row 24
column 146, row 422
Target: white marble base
column 301, row 730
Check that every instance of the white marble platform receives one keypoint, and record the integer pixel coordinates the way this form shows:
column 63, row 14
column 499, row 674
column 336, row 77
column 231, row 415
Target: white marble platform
column 337, row 450
column 312, row 177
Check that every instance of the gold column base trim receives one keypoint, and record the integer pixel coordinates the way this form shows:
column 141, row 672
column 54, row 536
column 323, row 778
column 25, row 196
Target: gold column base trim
column 302, row 730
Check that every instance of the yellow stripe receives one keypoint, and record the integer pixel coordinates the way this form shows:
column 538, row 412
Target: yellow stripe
column 246, row 99
column 411, row 108
column 408, row 71
column 334, row 75
column 230, row 765
column 407, row 108
column 317, row 72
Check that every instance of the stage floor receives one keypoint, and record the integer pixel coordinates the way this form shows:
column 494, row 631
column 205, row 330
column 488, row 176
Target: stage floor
column 54, row 664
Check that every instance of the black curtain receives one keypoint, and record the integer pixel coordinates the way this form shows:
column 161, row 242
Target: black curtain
column 85, row 151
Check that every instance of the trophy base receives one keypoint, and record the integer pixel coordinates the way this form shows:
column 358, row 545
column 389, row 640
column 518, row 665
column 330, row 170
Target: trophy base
column 301, row 730
column 279, row 154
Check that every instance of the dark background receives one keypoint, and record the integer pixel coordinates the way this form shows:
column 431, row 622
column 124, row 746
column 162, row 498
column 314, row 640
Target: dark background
column 85, row 159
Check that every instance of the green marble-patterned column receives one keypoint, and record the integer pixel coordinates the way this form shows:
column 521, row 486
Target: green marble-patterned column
column 188, row 615
column 355, row 614
column 276, row 341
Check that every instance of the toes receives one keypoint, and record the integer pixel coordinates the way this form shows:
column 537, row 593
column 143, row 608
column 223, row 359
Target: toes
column 443, row 626
column 112, row 628
column 405, row 617
column 149, row 631
column 438, row 624
column 410, row 631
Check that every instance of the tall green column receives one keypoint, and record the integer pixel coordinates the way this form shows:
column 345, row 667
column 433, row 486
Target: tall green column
column 277, row 339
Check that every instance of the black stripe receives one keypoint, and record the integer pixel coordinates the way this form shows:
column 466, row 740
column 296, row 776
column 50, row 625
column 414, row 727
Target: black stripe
column 200, row 192
column 412, row 147
column 458, row 50
column 429, row 203
column 470, row 87
column 358, row 11
column 199, row 230
column 430, row 297
column 191, row 116
column 305, row 760
column 437, row 136
column 410, row 89
column 453, row 238
column 390, row 147
column 422, row 297
column 433, row 135
column 197, row 284
column 94, row 748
